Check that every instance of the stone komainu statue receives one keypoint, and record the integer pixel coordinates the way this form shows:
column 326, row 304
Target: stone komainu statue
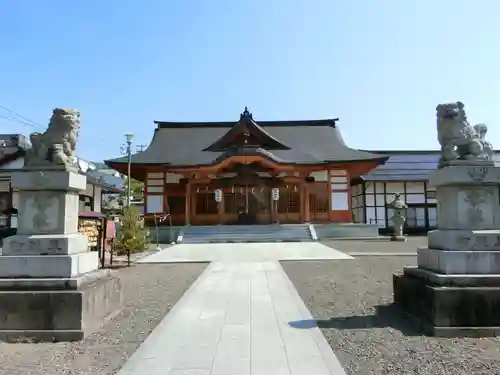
column 56, row 146
column 458, row 139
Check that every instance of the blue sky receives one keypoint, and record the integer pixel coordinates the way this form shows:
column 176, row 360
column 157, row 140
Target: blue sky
column 380, row 66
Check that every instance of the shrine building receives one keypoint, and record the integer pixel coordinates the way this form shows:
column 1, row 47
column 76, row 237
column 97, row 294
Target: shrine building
column 249, row 172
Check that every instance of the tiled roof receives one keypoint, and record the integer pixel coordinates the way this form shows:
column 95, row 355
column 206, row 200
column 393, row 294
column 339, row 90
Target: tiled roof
column 404, row 166
column 311, row 142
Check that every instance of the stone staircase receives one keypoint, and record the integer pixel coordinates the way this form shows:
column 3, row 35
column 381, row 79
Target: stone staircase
column 246, row 233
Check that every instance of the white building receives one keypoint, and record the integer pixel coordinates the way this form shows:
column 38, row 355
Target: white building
column 406, row 173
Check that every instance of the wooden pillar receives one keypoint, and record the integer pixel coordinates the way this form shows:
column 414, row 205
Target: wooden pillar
column 187, row 214
column 220, row 208
column 329, row 192
column 274, row 216
column 307, row 210
column 302, row 203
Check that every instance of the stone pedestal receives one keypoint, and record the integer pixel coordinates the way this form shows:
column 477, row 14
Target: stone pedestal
column 50, row 284
column 399, row 238
column 455, row 289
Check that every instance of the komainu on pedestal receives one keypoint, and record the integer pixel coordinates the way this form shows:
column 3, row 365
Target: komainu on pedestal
column 51, row 288
column 461, row 142
column 455, row 289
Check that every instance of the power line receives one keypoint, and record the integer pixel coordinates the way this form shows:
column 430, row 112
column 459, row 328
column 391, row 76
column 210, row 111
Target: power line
column 18, row 121
column 17, row 117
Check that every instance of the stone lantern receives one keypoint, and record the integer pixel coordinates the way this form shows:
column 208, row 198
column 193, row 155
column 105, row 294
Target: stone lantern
column 398, row 218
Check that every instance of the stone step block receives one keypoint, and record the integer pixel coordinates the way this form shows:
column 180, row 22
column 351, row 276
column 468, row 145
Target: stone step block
column 459, row 262
column 45, row 244
column 31, row 266
column 463, row 240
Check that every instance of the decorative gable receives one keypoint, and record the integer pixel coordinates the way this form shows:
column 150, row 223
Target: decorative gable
column 246, row 133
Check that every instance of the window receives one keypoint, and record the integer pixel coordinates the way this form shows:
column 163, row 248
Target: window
column 289, row 201
column 318, row 198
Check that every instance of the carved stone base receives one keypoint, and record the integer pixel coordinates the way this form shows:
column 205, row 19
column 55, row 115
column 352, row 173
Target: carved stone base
column 468, row 197
column 459, row 262
column 457, row 305
column 33, row 266
column 45, row 244
column 47, row 180
column 58, row 309
column 48, row 201
column 399, row 238
column 461, row 239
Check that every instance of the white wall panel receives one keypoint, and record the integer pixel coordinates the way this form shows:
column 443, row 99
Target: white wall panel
column 320, row 175
column 338, row 172
column 173, row 178
column 415, row 198
column 155, row 189
column 394, row 187
column 337, row 180
column 370, row 200
column 340, row 201
column 154, row 203
column 158, row 175
column 414, row 187
column 370, row 215
column 155, row 183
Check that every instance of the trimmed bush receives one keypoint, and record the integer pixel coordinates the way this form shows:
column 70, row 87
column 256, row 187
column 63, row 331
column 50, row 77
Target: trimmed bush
column 132, row 235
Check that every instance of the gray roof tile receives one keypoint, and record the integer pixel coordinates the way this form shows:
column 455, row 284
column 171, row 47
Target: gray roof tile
column 311, row 142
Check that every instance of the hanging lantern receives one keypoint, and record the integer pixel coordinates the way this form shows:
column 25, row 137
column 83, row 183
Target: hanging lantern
column 218, row 195
column 275, row 194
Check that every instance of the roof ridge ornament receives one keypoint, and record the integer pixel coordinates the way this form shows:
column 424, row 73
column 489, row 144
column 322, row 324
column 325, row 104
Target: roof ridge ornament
column 246, row 114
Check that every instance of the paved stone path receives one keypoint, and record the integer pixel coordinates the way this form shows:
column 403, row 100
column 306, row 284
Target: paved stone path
column 245, row 252
column 240, row 317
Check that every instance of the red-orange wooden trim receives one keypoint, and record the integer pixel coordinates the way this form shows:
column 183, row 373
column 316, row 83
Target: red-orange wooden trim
column 355, row 169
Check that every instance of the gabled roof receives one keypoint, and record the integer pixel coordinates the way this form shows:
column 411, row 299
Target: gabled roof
column 187, row 144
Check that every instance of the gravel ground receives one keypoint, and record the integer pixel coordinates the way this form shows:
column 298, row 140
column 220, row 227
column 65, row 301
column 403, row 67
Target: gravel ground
column 378, row 246
column 351, row 301
column 150, row 292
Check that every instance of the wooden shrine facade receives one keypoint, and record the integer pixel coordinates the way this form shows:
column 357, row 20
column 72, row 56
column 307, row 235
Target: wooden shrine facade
column 306, row 162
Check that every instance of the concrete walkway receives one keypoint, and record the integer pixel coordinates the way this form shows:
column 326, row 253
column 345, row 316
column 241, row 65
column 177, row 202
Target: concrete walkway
column 239, row 317
column 245, row 252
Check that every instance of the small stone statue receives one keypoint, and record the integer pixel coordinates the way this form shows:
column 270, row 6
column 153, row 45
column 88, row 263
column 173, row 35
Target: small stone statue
column 56, row 146
column 488, row 152
column 458, row 139
column 399, row 217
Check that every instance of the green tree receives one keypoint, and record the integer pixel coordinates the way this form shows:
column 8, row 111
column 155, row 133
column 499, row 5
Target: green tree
column 137, row 190
column 132, row 234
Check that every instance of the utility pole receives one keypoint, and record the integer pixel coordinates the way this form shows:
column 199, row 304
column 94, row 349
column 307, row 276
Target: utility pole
column 141, row 147
column 127, row 150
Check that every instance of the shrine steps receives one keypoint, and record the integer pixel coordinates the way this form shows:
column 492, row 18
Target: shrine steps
column 247, row 233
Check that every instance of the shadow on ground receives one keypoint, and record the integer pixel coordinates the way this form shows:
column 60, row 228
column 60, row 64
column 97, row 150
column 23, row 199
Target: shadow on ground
column 385, row 316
